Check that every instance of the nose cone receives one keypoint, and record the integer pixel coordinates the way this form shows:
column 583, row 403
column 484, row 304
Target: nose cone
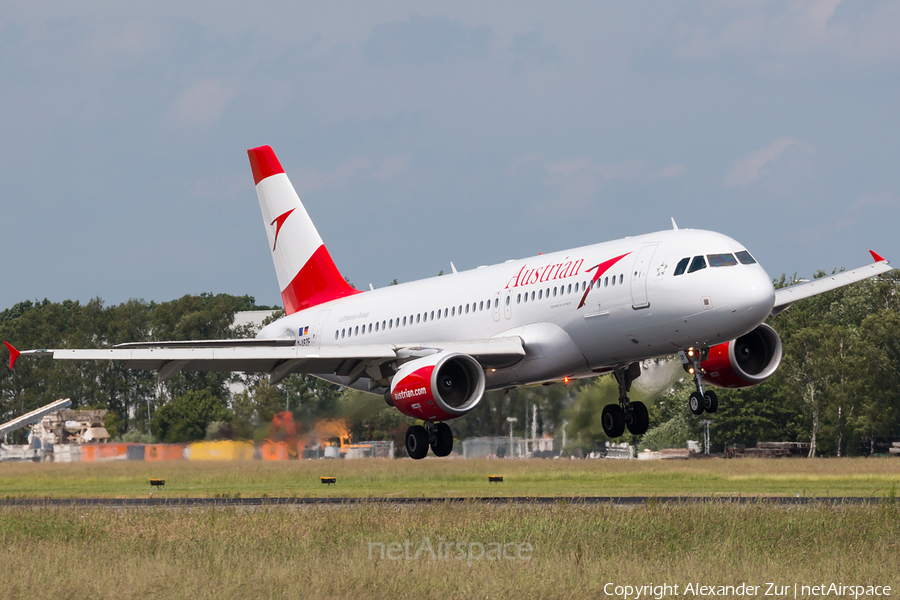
column 751, row 294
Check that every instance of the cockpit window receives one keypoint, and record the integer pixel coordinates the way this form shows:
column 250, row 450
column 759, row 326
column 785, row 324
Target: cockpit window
column 721, row 260
column 682, row 265
column 745, row 258
column 698, row 263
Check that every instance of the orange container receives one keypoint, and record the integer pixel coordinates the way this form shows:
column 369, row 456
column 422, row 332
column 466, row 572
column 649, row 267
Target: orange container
column 160, row 452
column 275, row 451
column 90, row 452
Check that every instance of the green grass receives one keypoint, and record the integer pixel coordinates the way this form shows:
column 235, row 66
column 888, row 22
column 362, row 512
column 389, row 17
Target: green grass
column 857, row 477
column 323, row 552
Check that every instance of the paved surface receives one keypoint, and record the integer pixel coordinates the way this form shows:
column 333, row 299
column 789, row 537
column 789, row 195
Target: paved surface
column 334, row 501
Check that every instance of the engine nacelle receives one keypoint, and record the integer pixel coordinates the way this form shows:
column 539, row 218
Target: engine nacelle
column 744, row 362
column 438, row 387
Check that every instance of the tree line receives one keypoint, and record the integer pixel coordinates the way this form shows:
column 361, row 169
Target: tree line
column 839, row 381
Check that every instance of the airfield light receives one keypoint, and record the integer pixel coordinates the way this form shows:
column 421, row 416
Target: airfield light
column 565, row 380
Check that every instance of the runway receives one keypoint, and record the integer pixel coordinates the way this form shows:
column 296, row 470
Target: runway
column 623, row 501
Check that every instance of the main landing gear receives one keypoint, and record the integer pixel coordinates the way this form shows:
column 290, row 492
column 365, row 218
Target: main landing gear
column 436, row 435
column 702, row 400
column 633, row 415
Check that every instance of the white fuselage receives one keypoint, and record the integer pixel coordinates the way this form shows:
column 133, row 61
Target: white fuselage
column 638, row 309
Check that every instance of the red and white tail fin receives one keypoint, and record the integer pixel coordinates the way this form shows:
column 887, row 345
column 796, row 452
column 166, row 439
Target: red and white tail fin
column 306, row 273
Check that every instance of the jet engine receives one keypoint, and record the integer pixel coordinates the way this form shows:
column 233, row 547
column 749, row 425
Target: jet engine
column 441, row 386
column 747, row 361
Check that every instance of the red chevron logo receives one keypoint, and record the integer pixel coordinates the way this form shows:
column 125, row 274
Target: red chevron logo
column 278, row 222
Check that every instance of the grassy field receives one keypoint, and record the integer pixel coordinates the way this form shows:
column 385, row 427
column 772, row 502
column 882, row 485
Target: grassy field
column 553, row 551
column 460, row 550
column 858, row 477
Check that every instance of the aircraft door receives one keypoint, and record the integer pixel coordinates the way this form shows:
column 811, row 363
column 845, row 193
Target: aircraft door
column 317, row 328
column 497, row 306
column 507, row 300
column 639, row 276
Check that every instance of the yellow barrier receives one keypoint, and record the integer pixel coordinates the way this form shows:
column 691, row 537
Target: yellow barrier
column 220, row 450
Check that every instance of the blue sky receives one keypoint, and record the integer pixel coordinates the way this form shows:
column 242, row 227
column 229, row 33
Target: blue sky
column 420, row 132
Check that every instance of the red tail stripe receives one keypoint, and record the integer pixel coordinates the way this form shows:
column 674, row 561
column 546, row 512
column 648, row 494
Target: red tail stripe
column 264, row 163
column 319, row 281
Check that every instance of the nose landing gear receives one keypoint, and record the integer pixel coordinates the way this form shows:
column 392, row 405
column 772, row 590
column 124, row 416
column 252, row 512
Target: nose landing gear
column 436, row 435
column 633, row 415
column 702, row 400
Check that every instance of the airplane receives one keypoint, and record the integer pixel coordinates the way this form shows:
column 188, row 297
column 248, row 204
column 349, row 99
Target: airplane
column 433, row 347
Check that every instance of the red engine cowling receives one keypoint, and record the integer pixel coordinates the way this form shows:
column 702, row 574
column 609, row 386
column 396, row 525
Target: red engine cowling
column 744, row 362
column 438, row 387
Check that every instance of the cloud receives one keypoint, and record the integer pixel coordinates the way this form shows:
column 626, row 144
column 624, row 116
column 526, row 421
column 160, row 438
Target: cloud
column 578, row 180
column 786, row 38
column 382, row 170
column 746, row 170
column 203, row 102
column 529, row 51
column 422, row 40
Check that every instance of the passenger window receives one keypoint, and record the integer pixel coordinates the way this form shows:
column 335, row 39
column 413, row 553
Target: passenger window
column 446, row 312
column 554, row 292
column 481, row 305
column 698, row 263
column 570, row 289
column 439, row 315
column 335, row 334
column 432, row 315
column 404, row 321
column 621, row 279
column 745, row 258
column 519, row 299
column 370, row 328
column 496, row 302
column 460, row 310
column 356, row 332
column 532, row 295
column 391, row 324
column 383, row 325
column 721, row 260
column 342, row 333
column 418, row 318
column 507, row 300
column 540, row 294
column 606, row 281
column 614, row 280
column 682, row 265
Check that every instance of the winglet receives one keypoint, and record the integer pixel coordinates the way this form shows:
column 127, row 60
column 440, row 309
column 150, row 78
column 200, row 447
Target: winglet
column 13, row 354
column 264, row 163
column 877, row 257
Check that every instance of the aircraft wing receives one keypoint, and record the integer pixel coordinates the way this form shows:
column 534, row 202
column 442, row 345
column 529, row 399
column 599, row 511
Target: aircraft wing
column 280, row 358
column 786, row 296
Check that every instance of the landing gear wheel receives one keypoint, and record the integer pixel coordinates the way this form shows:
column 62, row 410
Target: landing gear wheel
column 416, row 442
column 443, row 440
column 640, row 419
column 613, row 420
column 697, row 403
column 710, row 402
